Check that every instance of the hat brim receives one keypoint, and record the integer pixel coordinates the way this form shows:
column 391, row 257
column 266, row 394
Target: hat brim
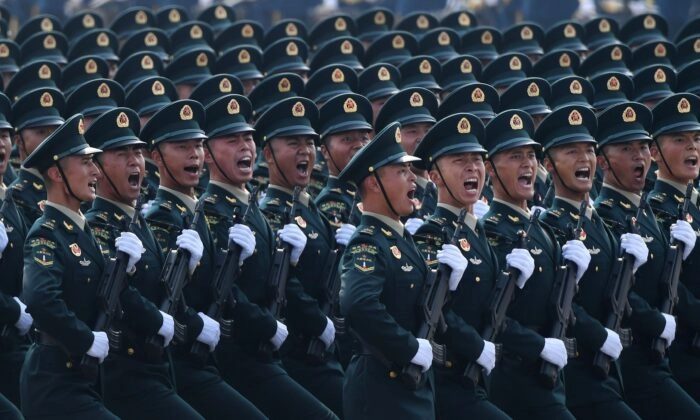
column 677, row 128
column 346, row 126
column 514, row 143
column 298, row 130
column 123, row 142
column 625, row 137
column 230, row 129
column 41, row 122
column 182, row 135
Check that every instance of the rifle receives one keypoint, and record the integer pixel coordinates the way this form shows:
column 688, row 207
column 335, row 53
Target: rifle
column 224, row 280
column 670, row 276
column 619, row 288
column 501, row 298
column 112, row 284
column 565, row 289
column 437, row 292
column 174, row 276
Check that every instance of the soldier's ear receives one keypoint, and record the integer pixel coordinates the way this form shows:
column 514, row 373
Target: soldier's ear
column 548, row 164
column 267, row 154
column 435, row 177
column 602, row 163
column 53, row 174
column 488, row 166
column 155, row 156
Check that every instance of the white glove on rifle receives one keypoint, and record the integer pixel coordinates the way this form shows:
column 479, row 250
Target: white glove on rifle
column 412, row 224
column 576, row 252
column 343, row 233
column 167, row 328
column 24, row 322
column 131, row 245
column 452, row 257
column 487, row 358
column 480, row 209
column 328, row 334
column 521, row 260
column 210, row 332
column 145, row 206
column 424, row 355
column 242, row 235
column 189, row 240
column 100, row 346
column 612, row 345
column 292, row 234
column 554, row 352
column 280, row 335
column 683, row 232
column 669, row 332
column 634, row 245
column 4, row 240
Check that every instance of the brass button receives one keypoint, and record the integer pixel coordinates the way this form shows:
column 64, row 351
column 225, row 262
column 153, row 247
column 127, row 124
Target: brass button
column 146, row 267
column 393, row 375
column 596, row 268
column 448, row 364
column 412, row 285
column 477, row 279
column 69, row 365
column 88, row 279
column 130, row 351
column 651, row 256
column 540, row 269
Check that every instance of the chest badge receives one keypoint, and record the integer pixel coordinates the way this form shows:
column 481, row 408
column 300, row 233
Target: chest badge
column 407, row 268
column 181, row 209
column 465, row 245
column 583, row 235
column 300, row 221
column 535, row 251
column 689, row 218
column 594, row 251
column 75, row 249
column 647, row 238
column 313, row 235
column 395, row 251
column 9, row 229
column 84, row 262
column 68, row 227
column 625, row 205
column 37, row 186
column 475, row 261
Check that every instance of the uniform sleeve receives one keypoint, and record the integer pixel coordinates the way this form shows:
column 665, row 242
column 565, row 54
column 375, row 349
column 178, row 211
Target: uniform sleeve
column 644, row 317
column 587, row 330
column 461, row 337
column 9, row 310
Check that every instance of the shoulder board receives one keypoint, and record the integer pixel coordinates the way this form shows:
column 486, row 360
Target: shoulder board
column 367, row 230
column 608, row 202
column 554, row 212
column 49, row 224
column 659, row 197
column 212, row 199
column 273, row 202
column 337, row 190
column 18, row 186
column 38, row 186
column 102, row 215
column 493, row 219
column 168, row 205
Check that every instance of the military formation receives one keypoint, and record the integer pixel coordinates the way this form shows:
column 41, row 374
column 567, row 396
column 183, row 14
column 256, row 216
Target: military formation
column 375, row 216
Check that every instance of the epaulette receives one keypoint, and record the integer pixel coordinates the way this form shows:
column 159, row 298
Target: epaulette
column 168, row 205
column 494, row 219
column 19, row 186
column 49, row 224
column 660, row 197
column 337, row 190
column 367, row 230
column 608, row 202
column 102, row 215
column 212, row 199
column 274, row 202
column 556, row 213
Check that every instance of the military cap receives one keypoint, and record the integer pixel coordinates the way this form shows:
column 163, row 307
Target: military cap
column 215, row 87
column 218, row 16
column 652, row 54
column 273, row 89
column 228, row 114
column 384, row 149
column 644, row 28
column 525, row 38
column 341, row 50
column 690, row 28
column 5, row 112
column 509, row 129
column 344, row 112
column 50, row 46
column 191, row 68
column 565, row 35
column 454, row 134
column 329, row 81
column 687, row 52
column 610, row 58
column 102, row 42
column 530, row 95
column 243, row 61
column 676, row 113
column 285, row 28
column 654, row 83
column 417, row 23
column 286, row 54
column 82, row 22
column 482, row 43
column 460, row 21
column 171, row 17
column 151, row 94
column 131, row 20
column 5, row 13
column 572, row 90
column 689, row 78
column 408, row 106
column 67, row 140
column 336, row 26
column 191, row 36
column 137, row 67
column 439, row 43
column 80, row 70
column 459, row 71
column 295, row 116
column 379, row 81
column 149, row 39
column 374, row 23
column 556, row 64
column 38, row 74
column 9, row 56
column 479, row 99
column 39, row 23
column 566, row 125
column 624, row 122
column 600, row 31
column 38, row 108
column 178, row 121
column 95, row 97
column 241, row 33
column 506, row 70
column 420, row 71
column 393, row 47
column 118, row 127
column 610, row 89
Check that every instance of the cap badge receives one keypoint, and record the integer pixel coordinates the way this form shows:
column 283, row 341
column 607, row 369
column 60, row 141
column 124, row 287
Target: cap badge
column 464, row 20
column 150, row 40
column 346, row 47
column 478, row 95
column 341, row 25
column 244, row 57
column 515, row 64
column 398, row 42
column 88, row 21
column 397, row 135
column 416, row 100
column 81, row 126
column 487, row 38
column 516, row 123
column 683, row 106
column 616, row 54
column 425, row 67
column 526, row 33
column 174, row 16
column 569, row 31
column 140, row 17
column 284, row 85
column 349, row 106
column 46, row 100
column 379, row 18
column 444, row 39
column 157, row 88
column 44, row 72
column 103, row 91
column 466, row 66
column 4, row 51
column 696, row 45
column 575, row 118
column 291, row 29
column 660, row 50
column 225, row 85
column 629, row 115
column 220, row 13
column 575, row 88
column 122, row 120
column 202, row 60
column 195, row 32
column 102, row 40
column 533, row 90
column 463, row 126
column 49, row 42
column 186, row 113
column 564, row 60
column 147, row 62
column 90, row 67
column 660, row 76
column 422, row 22
column 383, row 74
column 46, row 25
column 604, row 26
column 613, row 84
column 292, row 49
column 233, row 107
column 649, row 22
column 338, row 76
column 247, row 31
column 298, row 110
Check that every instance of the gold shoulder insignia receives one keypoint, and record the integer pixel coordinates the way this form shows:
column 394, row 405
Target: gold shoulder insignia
column 679, row 198
column 514, row 219
column 574, row 216
column 68, row 226
column 231, row 199
column 119, row 217
column 386, row 232
column 181, row 208
column 38, row 186
column 626, row 205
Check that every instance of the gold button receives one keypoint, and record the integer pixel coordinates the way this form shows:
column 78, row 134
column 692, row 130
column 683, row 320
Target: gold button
column 540, row 269
column 146, row 267
column 393, row 374
column 69, row 365
column 596, row 268
column 130, row 351
column 448, row 364
column 412, row 285
column 477, row 279
column 651, row 256
column 88, row 279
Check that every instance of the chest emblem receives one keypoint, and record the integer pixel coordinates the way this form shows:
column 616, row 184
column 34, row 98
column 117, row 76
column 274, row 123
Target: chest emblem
column 37, row 186
column 625, row 205
column 300, row 221
column 465, row 245
column 475, row 261
column 313, row 235
column 583, row 235
column 407, row 268
column 594, row 251
column 647, row 238
column 75, row 249
column 386, row 232
column 395, row 251
column 84, row 262
column 535, row 251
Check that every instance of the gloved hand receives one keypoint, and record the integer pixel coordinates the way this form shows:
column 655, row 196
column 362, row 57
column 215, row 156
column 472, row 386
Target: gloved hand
column 576, row 252
column 131, row 245
column 167, row 328
column 280, row 335
column 480, row 209
column 554, row 352
column 343, row 233
column 210, row 332
column 424, row 355
column 634, row 245
column 586, row 10
column 487, row 358
column 189, row 240
column 24, row 322
column 522, row 260
column 612, row 345
column 533, row 209
column 4, row 240
column 100, row 346
column 145, row 206
column 328, row 334
column 669, row 332
column 412, row 224
column 452, row 257
column 683, row 232
column 242, row 235
column 292, row 234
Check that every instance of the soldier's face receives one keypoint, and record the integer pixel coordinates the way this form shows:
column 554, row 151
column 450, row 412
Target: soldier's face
column 460, row 178
column 184, row 160
column 29, row 138
column 626, row 166
column 5, row 149
column 248, row 85
column 339, row 148
column 184, row 90
column 400, row 185
column 233, row 156
column 575, row 167
column 290, row 160
column 377, row 104
column 517, row 169
column 412, row 134
column 680, row 155
column 82, row 175
column 126, row 168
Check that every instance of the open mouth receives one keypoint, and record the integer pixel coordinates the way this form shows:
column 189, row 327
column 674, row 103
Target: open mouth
column 303, row 168
column 411, row 193
column 3, row 155
column 471, row 184
column 245, row 163
column 193, row 169
column 583, row 174
column 525, row 179
column 691, row 161
column 133, row 179
column 93, row 186
column 638, row 171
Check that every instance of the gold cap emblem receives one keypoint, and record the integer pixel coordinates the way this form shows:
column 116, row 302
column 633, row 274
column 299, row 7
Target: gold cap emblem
column 337, row 76
column 103, row 91
column 44, row 72
column 202, row 60
column 533, row 90
column 298, row 110
column 284, row 85
column 225, row 86
column 49, row 42
column 575, row 118
column 569, row 31
column 247, row 31
column 81, row 126
column 660, row 50
column 340, row 24
column 398, row 42
column 463, row 126
column 425, row 67
column 422, row 22
column 649, row 22
column 291, row 29
column 604, row 26
column 660, row 76
column 629, row 115
column 696, row 45
column 147, row 62
column 174, row 16
column 46, row 100
column 616, row 54
column 516, row 123
column 122, row 120
column 487, row 38
column 186, row 113
column 478, row 96
column 46, row 25
column 526, row 33
column 4, row 50
column 102, row 40
column 464, row 20
column 575, row 87
column 150, row 40
column 379, row 18
column 157, row 88
column 243, row 56
column 515, row 64
column 90, row 67
column 292, row 49
column 195, row 32
column 346, row 47
column 220, row 13
column 683, row 106
column 383, row 74
column 88, row 21
column 564, row 60
column 349, row 106
column 444, row 39
column 613, row 84
column 466, row 66
column 140, row 17
column 397, row 135
column 233, row 107
column 416, row 100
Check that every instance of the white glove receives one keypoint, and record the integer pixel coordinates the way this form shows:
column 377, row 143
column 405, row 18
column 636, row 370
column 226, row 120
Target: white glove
column 280, row 335
column 100, row 346
column 480, row 209
column 167, row 328
column 491, row 3
column 576, row 252
column 487, row 358
column 210, row 332
column 145, row 206
column 424, row 355
column 683, row 232
column 4, row 240
column 554, row 352
column 328, row 334
column 586, row 10
column 242, row 235
column 292, row 234
column 452, row 256
column 522, row 260
column 189, row 240
column 343, row 233
column 131, row 245
column 612, row 345
column 533, row 209
column 412, row 224
column 669, row 332
column 24, row 323
column 634, row 245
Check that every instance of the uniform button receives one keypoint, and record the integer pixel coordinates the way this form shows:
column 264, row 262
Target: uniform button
column 88, row 279
column 651, row 256
column 130, row 351
column 540, row 269
column 393, row 374
column 448, row 364
column 146, row 267
column 12, row 245
column 596, row 268
column 69, row 365
column 412, row 285
column 477, row 279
